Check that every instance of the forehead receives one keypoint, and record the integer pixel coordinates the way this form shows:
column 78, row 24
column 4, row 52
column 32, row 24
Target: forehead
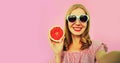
column 78, row 11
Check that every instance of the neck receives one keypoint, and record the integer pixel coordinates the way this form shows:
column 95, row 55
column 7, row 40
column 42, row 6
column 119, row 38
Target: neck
column 76, row 39
column 75, row 45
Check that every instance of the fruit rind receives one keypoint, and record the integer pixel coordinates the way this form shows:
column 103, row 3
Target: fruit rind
column 50, row 34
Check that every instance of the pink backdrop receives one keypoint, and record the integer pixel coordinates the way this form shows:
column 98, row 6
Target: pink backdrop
column 24, row 26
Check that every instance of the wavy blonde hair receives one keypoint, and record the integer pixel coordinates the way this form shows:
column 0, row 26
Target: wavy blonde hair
column 85, row 38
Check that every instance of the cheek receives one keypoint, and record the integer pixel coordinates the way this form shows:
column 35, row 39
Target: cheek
column 84, row 25
column 69, row 25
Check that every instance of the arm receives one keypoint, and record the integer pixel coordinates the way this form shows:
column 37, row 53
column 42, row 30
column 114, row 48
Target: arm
column 56, row 59
column 111, row 57
column 57, row 48
column 101, row 52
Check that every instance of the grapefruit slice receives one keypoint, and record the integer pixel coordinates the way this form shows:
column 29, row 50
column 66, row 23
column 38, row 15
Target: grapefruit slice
column 56, row 33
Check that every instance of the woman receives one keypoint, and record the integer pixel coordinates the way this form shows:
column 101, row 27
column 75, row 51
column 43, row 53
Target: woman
column 76, row 46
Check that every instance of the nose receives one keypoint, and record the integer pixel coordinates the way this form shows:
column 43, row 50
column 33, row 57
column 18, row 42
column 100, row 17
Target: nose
column 77, row 22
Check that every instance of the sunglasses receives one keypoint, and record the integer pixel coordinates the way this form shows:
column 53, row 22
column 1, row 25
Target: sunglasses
column 83, row 18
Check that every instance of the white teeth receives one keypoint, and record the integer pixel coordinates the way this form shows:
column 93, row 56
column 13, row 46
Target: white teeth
column 77, row 28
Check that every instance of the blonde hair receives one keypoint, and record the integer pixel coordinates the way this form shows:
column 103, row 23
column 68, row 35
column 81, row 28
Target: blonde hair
column 85, row 38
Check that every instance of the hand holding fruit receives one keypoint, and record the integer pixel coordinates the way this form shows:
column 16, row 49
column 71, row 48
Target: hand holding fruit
column 56, row 37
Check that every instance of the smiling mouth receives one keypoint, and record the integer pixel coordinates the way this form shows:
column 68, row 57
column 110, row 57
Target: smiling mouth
column 78, row 29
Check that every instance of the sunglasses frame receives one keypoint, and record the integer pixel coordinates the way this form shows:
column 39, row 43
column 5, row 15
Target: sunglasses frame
column 78, row 17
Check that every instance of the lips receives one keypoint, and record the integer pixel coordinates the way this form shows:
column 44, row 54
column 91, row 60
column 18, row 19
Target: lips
column 78, row 29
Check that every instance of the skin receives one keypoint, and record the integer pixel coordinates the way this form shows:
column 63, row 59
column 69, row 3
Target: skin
column 57, row 47
column 111, row 57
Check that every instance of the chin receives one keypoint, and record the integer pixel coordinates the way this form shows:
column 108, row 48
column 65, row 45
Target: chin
column 76, row 33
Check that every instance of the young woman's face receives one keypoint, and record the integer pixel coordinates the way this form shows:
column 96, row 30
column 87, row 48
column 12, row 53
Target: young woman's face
column 77, row 27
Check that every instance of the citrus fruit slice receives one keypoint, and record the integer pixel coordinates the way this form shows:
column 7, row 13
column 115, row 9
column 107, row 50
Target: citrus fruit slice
column 56, row 33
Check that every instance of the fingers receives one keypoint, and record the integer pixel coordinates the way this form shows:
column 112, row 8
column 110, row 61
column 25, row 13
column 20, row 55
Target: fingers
column 54, row 43
column 62, row 41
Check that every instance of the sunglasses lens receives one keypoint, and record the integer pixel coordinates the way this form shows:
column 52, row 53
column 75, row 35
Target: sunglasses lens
column 83, row 18
column 72, row 18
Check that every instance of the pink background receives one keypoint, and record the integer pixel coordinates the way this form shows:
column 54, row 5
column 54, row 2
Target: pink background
column 24, row 26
